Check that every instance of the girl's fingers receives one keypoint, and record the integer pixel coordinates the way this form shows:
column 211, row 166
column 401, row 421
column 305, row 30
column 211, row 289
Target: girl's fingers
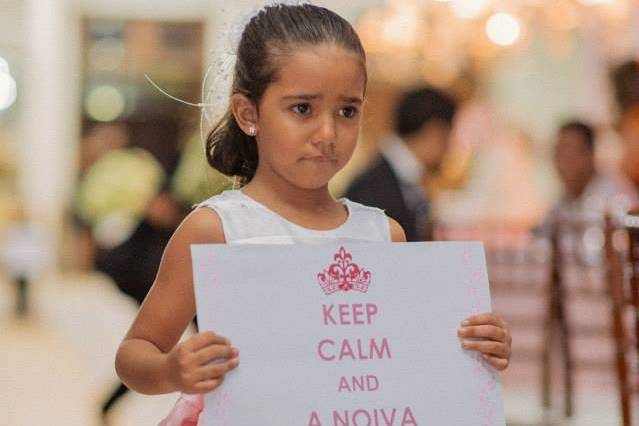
column 496, row 350
column 499, row 363
column 208, row 385
column 208, row 338
column 210, row 353
column 487, row 347
column 487, row 318
column 215, row 371
column 486, row 331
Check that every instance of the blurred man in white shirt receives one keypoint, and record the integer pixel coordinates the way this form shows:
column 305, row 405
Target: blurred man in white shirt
column 588, row 194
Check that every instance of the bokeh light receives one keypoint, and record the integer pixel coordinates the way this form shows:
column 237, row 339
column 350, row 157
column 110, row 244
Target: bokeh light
column 503, row 29
column 105, row 103
column 469, row 9
column 595, row 2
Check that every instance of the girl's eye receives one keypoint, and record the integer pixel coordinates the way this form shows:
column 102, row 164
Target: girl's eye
column 303, row 109
column 348, row 112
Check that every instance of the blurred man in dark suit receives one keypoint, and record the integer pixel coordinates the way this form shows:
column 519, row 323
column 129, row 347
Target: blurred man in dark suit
column 423, row 121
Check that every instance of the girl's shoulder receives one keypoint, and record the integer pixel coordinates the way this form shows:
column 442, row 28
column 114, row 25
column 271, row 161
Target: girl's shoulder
column 354, row 206
column 237, row 216
column 201, row 226
column 227, row 199
column 374, row 215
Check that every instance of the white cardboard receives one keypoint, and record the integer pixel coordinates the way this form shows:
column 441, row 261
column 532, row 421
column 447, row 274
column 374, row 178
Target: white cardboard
column 269, row 301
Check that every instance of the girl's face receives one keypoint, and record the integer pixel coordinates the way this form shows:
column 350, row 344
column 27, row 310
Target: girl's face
column 308, row 119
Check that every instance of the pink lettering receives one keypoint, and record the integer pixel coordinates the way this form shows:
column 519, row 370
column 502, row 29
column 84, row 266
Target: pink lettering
column 371, row 349
column 391, row 421
column 327, row 314
column 372, row 383
column 408, row 418
column 321, row 352
column 373, row 417
column 354, row 314
column 359, row 350
column 357, row 416
column 380, row 351
column 343, row 315
column 314, row 420
column 343, row 421
column 358, row 311
column 358, row 384
column 343, row 385
column 346, row 350
column 371, row 309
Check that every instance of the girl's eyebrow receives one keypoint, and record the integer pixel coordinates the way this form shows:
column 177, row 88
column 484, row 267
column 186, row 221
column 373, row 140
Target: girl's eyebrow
column 305, row 97
column 310, row 97
column 351, row 100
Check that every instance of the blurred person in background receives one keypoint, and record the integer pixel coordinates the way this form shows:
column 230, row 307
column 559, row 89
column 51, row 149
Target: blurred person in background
column 629, row 133
column 125, row 213
column 588, row 194
column 394, row 183
column 625, row 81
column 97, row 141
column 25, row 254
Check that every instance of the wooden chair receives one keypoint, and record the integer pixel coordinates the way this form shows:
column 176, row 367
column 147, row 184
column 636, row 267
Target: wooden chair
column 632, row 229
column 623, row 271
column 556, row 322
column 548, row 277
column 581, row 275
column 615, row 260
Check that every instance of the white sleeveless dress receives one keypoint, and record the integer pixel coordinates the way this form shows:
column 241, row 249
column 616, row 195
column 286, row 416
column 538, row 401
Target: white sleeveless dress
column 246, row 221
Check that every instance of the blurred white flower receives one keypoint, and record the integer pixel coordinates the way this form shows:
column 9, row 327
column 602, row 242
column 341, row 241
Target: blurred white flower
column 121, row 183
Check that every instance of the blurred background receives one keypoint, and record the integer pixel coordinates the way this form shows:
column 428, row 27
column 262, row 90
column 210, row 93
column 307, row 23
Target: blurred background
column 98, row 167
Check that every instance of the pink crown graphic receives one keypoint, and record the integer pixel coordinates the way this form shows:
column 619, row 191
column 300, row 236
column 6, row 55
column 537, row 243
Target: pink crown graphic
column 344, row 275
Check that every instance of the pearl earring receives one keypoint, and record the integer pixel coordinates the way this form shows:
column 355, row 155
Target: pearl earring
column 251, row 131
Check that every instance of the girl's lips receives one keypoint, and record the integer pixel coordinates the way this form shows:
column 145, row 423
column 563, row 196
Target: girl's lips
column 320, row 158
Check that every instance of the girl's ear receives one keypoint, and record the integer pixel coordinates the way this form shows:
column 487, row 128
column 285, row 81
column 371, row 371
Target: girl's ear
column 245, row 113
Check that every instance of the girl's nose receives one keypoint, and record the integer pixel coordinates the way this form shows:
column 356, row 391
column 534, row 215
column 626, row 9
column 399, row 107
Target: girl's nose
column 326, row 132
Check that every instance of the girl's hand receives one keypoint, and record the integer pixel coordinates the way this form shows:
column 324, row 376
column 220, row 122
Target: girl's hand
column 191, row 364
column 494, row 340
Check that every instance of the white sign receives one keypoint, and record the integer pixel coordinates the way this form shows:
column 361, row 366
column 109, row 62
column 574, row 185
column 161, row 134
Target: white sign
column 353, row 334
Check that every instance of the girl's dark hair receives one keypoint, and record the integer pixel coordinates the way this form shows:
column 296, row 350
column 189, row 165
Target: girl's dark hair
column 275, row 31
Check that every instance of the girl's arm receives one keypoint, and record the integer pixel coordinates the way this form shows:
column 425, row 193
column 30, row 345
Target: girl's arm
column 148, row 359
column 397, row 232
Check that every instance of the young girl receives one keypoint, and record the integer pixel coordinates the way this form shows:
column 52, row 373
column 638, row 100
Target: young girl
column 292, row 124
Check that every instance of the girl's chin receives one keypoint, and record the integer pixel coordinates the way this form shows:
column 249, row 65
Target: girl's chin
column 313, row 183
column 315, row 179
